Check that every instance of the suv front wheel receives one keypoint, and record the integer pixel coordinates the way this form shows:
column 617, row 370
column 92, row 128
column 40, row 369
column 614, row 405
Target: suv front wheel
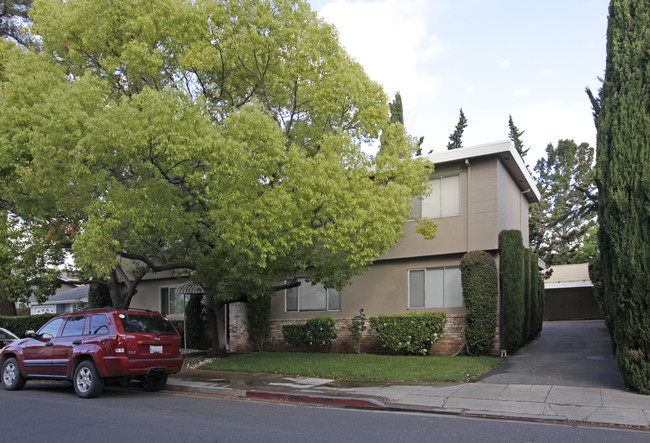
column 87, row 382
column 12, row 379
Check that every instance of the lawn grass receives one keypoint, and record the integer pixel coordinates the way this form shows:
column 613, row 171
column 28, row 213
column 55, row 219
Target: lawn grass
column 358, row 367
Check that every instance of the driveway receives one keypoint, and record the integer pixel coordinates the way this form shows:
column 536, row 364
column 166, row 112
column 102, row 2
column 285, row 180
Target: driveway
column 566, row 353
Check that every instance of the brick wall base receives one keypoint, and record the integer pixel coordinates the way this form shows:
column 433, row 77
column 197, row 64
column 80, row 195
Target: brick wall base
column 452, row 341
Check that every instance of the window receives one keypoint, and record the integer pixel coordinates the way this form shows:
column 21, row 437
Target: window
column 74, row 326
column 312, row 297
column 147, row 324
column 51, row 329
column 435, row 288
column 444, row 200
column 170, row 301
column 98, row 325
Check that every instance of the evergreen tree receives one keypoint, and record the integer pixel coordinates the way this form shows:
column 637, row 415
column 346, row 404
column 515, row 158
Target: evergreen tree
column 560, row 223
column 455, row 139
column 515, row 135
column 623, row 177
column 396, row 110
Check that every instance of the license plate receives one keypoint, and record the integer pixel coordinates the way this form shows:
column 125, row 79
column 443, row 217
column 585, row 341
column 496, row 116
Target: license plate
column 155, row 349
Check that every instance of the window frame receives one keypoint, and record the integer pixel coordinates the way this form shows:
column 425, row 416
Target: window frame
column 417, row 211
column 445, row 297
column 165, row 310
column 327, row 298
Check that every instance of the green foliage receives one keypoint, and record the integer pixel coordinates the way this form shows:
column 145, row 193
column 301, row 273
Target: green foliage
column 529, row 321
column 480, row 293
column 18, row 325
column 294, row 333
column 195, row 317
column 455, row 139
column 623, row 176
column 515, row 136
column 356, row 328
column 258, row 312
column 511, row 250
column 562, row 223
column 13, row 17
column 411, row 333
column 221, row 138
column 98, row 296
column 536, row 311
column 321, row 331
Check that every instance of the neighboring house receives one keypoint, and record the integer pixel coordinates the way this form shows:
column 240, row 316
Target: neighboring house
column 67, row 300
column 476, row 193
column 569, row 294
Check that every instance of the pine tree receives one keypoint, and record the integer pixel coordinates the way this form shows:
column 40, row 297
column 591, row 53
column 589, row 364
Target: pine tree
column 623, row 177
column 455, row 139
column 559, row 225
column 396, row 110
column 515, row 135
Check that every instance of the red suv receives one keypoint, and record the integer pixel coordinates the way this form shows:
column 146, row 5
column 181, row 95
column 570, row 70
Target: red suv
column 93, row 346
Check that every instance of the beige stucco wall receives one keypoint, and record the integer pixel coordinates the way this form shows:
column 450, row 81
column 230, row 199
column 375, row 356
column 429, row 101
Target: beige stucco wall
column 513, row 204
column 148, row 296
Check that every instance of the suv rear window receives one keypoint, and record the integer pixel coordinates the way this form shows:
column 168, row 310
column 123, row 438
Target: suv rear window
column 148, row 324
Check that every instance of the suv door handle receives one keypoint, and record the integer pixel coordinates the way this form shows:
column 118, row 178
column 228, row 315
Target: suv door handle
column 76, row 342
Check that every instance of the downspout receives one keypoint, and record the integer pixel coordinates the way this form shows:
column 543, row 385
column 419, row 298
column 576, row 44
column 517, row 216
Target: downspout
column 469, row 194
column 521, row 208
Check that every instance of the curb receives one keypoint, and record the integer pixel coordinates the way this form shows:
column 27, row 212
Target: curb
column 352, row 402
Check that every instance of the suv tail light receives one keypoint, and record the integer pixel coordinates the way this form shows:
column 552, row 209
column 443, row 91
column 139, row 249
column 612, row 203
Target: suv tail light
column 119, row 344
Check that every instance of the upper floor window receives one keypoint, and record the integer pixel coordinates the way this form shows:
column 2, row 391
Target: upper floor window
column 170, row 301
column 435, row 288
column 444, row 200
column 312, row 297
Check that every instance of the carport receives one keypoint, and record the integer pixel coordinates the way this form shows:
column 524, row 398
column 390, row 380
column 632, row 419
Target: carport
column 569, row 294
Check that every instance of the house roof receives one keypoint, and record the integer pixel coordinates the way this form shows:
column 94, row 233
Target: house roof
column 80, row 293
column 504, row 150
column 569, row 276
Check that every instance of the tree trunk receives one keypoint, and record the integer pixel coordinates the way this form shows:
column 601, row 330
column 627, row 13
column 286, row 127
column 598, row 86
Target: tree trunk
column 216, row 318
column 7, row 307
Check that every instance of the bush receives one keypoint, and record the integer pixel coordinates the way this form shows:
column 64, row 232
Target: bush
column 258, row 312
column 511, row 249
column 530, row 322
column 480, row 292
column 321, row 331
column 18, row 325
column 412, row 333
column 535, row 305
column 194, row 315
column 294, row 334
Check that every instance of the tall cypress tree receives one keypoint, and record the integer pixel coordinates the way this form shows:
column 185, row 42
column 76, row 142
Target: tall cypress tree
column 623, row 177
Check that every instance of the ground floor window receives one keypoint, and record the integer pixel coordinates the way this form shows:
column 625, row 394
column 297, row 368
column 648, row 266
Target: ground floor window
column 170, row 301
column 312, row 297
column 435, row 288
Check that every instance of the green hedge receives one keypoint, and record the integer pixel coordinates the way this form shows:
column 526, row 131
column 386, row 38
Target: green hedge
column 18, row 325
column 511, row 248
column 480, row 293
column 529, row 321
column 412, row 333
column 535, row 302
column 317, row 333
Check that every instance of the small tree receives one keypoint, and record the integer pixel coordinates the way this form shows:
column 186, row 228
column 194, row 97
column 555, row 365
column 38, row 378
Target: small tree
column 357, row 327
column 455, row 139
column 480, row 292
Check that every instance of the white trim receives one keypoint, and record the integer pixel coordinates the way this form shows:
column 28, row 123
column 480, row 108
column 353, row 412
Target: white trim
column 569, row 285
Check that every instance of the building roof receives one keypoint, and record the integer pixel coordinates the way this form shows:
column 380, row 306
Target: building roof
column 569, row 276
column 508, row 154
column 80, row 293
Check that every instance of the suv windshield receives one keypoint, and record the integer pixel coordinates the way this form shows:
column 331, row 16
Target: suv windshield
column 142, row 323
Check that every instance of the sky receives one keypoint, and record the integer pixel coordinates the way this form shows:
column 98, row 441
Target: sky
column 526, row 58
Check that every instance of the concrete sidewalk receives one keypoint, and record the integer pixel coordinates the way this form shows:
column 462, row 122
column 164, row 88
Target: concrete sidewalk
column 600, row 406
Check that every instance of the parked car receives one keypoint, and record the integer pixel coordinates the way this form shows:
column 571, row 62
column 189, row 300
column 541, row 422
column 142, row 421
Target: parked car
column 6, row 337
column 96, row 346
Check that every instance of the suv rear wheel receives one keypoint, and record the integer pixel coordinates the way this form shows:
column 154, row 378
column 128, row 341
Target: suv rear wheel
column 87, row 382
column 154, row 383
column 12, row 379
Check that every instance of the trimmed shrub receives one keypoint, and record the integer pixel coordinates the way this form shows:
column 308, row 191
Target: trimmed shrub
column 18, row 325
column 321, row 331
column 294, row 334
column 511, row 249
column 480, row 292
column 529, row 321
column 540, row 302
column 99, row 296
column 258, row 312
column 534, row 297
column 412, row 333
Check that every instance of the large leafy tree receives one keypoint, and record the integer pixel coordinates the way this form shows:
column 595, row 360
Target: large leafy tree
column 623, row 124
column 13, row 18
column 561, row 223
column 217, row 138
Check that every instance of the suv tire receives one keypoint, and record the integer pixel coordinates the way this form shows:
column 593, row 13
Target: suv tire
column 12, row 379
column 87, row 382
column 154, row 383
